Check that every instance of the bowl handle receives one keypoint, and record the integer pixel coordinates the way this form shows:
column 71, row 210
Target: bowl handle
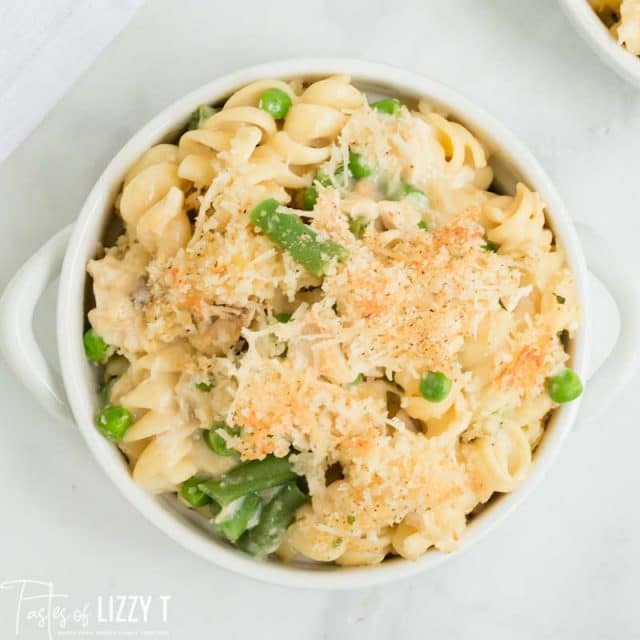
column 17, row 340
column 623, row 284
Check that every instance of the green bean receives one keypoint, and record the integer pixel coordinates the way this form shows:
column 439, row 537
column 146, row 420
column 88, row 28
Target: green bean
column 202, row 113
column 113, row 422
column 358, row 168
column 282, row 317
column 564, row 386
column 235, row 518
column 203, row 386
column 435, row 386
column 216, row 442
column 190, row 492
column 295, row 237
column 275, row 102
column 248, row 477
column 276, row 516
column 95, row 348
column 390, row 106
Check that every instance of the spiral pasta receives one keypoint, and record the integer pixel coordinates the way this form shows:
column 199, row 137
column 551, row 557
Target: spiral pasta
column 622, row 17
column 325, row 288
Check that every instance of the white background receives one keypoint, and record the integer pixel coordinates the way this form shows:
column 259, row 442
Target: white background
column 567, row 563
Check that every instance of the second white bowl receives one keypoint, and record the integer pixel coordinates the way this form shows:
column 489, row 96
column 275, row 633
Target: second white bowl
column 596, row 34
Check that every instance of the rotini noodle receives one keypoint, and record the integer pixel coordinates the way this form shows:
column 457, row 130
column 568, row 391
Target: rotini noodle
column 622, row 17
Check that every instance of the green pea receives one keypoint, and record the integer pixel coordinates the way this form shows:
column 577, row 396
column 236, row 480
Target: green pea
column 423, row 224
column 564, row 386
column 190, row 492
column 203, row 386
column 435, row 386
column 282, row 317
column 490, row 246
column 95, row 348
column 309, row 198
column 216, row 442
column 357, row 166
column 202, row 113
column 390, row 106
column 357, row 226
column 310, row 194
column 418, row 198
column 113, row 422
column 275, row 102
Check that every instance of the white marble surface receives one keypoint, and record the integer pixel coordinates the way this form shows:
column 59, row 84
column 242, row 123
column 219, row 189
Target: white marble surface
column 567, row 563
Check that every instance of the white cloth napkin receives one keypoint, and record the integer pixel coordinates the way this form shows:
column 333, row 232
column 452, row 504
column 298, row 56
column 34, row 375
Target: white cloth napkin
column 44, row 47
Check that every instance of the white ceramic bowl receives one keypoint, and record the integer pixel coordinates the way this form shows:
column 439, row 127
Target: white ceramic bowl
column 511, row 161
column 596, row 34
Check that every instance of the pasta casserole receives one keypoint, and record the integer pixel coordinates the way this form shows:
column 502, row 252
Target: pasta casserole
column 622, row 18
column 322, row 329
